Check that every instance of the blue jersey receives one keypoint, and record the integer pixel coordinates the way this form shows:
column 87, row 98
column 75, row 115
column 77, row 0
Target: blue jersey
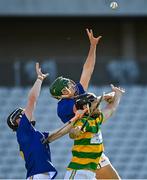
column 37, row 156
column 65, row 106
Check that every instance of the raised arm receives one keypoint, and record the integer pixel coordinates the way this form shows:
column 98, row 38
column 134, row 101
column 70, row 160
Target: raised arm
column 65, row 129
column 61, row 131
column 112, row 107
column 34, row 93
column 90, row 61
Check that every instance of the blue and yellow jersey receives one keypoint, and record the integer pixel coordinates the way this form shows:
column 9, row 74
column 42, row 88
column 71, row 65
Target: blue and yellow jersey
column 65, row 105
column 37, row 156
column 88, row 148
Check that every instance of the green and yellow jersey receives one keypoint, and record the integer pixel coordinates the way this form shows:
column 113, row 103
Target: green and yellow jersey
column 88, row 148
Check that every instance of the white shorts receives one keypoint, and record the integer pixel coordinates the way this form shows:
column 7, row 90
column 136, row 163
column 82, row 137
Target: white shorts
column 79, row 174
column 45, row 176
column 104, row 161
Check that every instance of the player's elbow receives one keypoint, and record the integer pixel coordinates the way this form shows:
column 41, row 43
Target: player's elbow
column 112, row 111
column 88, row 69
column 109, row 112
column 32, row 98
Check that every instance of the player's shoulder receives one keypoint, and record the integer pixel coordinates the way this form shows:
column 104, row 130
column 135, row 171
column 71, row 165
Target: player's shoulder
column 24, row 118
column 65, row 100
column 79, row 88
column 65, row 105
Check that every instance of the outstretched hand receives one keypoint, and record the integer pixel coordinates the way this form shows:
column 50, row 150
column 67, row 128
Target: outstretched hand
column 117, row 90
column 109, row 97
column 40, row 75
column 93, row 40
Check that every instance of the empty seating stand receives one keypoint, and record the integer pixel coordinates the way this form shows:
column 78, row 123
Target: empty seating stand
column 124, row 133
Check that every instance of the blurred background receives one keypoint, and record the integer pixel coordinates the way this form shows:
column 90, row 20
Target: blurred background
column 53, row 33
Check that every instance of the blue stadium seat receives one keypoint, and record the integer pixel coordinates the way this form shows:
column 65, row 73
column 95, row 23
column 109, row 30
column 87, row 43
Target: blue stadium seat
column 124, row 134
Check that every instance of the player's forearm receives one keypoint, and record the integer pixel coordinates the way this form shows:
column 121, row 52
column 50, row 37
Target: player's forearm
column 35, row 90
column 116, row 101
column 60, row 132
column 66, row 128
column 112, row 107
column 63, row 130
column 90, row 61
column 88, row 67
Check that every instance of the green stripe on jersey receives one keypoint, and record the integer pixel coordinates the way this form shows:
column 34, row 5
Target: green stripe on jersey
column 92, row 129
column 90, row 166
column 84, row 142
column 90, row 155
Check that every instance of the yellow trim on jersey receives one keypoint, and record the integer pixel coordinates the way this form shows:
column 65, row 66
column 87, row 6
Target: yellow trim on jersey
column 78, row 123
column 21, row 154
column 92, row 122
column 88, row 148
column 85, row 160
column 85, row 135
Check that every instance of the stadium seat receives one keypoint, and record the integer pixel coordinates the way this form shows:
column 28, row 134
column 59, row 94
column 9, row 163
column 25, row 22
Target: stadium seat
column 124, row 134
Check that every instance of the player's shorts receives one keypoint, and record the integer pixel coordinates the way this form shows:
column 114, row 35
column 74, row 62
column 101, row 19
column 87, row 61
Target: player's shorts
column 86, row 174
column 104, row 161
column 47, row 176
column 79, row 174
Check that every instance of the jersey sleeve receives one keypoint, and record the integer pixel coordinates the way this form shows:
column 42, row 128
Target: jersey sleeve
column 24, row 122
column 65, row 109
column 101, row 118
column 24, row 131
column 87, row 127
column 65, row 106
column 92, row 128
column 80, row 89
column 80, row 122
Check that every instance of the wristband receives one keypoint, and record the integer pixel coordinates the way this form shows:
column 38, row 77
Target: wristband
column 40, row 77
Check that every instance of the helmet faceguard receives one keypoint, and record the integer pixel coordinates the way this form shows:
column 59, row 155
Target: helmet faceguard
column 11, row 120
column 90, row 100
column 84, row 99
column 57, row 87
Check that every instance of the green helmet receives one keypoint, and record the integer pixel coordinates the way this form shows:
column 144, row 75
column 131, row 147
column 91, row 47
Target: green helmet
column 58, row 85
